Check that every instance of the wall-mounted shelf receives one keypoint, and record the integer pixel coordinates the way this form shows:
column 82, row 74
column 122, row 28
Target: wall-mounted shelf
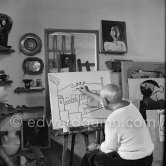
column 26, row 90
column 113, row 52
column 6, row 50
column 6, row 83
column 29, row 109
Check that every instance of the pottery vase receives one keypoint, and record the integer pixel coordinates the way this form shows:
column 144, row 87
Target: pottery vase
column 10, row 143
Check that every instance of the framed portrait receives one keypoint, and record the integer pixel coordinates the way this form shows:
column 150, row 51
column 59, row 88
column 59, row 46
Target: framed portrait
column 67, row 62
column 114, row 39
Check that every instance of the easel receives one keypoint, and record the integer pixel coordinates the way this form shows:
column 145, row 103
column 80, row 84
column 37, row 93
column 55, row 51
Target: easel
column 86, row 64
column 85, row 131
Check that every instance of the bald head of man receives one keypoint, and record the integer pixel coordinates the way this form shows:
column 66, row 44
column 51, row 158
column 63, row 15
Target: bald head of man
column 111, row 95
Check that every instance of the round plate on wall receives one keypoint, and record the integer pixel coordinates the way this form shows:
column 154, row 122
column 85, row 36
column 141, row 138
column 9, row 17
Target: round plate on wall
column 30, row 44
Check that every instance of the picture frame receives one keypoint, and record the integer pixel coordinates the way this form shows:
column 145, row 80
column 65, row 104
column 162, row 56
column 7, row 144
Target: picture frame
column 114, row 38
column 67, row 62
column 84, row 44
column 35, row 132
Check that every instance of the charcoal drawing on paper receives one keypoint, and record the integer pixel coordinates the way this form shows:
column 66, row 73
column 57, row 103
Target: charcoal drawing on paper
column 69, row 107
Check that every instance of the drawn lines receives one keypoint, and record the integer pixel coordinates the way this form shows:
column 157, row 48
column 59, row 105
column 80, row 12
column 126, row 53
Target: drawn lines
column 54, row 79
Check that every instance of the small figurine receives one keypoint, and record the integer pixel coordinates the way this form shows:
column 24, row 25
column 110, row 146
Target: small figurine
column 3, row 76
column 5, row 27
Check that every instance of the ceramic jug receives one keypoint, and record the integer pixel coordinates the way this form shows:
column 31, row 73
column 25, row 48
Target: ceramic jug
column 10, row 143
column 28, row 83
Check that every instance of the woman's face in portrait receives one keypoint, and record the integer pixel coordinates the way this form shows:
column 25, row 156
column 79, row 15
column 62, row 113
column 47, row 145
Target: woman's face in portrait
column 115, row 33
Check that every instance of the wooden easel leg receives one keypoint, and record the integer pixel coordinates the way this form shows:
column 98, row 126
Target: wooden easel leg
column 98, row 136
column 86, row 139
column 79, row 65
column 87, row 66
column 64, row 154
column 72, row 149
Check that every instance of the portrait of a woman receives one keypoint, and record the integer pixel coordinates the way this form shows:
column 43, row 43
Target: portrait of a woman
column 114, row 36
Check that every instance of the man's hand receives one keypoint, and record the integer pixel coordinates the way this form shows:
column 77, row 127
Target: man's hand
column 93, row 146
column 84, row 89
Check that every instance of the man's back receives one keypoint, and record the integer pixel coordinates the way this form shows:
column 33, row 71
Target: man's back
column 127, row 138
column 126, row 129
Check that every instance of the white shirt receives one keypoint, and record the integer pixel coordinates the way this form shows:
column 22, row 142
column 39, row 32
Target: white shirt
column 126, row 132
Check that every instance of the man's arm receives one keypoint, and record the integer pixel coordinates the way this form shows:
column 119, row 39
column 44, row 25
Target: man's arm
column 85, row 90
column 111, row 138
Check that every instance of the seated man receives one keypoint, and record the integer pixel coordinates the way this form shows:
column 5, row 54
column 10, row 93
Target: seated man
column 127, row 138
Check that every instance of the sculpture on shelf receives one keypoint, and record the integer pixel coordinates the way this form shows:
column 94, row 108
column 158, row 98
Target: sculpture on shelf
column 5, row 27
column 3, row 76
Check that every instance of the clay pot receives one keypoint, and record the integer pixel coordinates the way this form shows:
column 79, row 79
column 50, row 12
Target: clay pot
column 10, row 143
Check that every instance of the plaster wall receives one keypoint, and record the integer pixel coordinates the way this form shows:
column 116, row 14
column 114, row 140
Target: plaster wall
column 145, row 26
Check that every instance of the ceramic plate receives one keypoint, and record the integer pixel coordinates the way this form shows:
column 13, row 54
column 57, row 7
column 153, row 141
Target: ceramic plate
column 30, row 44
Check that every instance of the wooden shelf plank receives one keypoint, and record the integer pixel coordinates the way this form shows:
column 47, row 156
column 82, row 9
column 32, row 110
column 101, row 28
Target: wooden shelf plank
column 62, row 51
column 5, row 50
column 112, row 52
column 6, row 83
column 30, row 109
column 26, row 90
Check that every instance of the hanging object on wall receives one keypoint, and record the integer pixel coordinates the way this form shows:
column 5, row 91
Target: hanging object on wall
column 5, row 27
column 114, row 39
column 33, row 66
column 30, row 44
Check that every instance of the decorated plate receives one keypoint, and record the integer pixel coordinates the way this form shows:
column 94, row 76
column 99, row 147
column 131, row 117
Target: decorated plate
column 30, row 44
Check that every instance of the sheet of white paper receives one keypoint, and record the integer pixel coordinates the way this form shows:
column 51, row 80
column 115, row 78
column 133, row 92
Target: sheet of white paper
column 153, row 125
column 161, row 124
column 69, row 107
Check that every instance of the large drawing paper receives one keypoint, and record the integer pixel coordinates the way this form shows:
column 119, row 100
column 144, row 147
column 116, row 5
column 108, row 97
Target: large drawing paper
column 71, row 108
